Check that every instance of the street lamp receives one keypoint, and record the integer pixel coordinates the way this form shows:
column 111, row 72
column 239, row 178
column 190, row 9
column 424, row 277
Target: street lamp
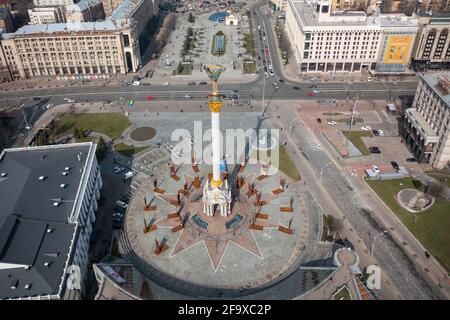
column 375, row 239
column 321, row 170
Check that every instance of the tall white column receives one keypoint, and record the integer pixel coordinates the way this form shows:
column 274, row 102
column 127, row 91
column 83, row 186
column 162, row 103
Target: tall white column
column 215, row 128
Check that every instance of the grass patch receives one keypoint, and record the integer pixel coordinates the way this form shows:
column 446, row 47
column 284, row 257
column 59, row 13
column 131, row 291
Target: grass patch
column 355, row 138
column 286, row 165
column 127, row 150
column 355, row 120
column 249, row 44
column 342, row 294
column 183, row 69
column 430, row 227
column 442, row 177
column 110, row 124
column 249, row 68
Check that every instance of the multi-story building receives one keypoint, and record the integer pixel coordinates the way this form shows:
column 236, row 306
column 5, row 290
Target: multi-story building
column 432, row 46
column 279, row 4
column 84, row 11
column 139, row 10
column 49, row 197
column 52, row 3
column 353, row 4
column 106, row 47
column 427, row 124
column 348, row 41
column 109, row 6
column 46, row 15
column 6, row 20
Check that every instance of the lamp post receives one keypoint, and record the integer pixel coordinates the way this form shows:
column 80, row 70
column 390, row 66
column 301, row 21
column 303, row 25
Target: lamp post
column 375, row 239
column 321, row 170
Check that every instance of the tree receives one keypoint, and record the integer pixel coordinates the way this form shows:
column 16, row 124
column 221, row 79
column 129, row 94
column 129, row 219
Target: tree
column 102, row 149
column 386, row 6
column 417, row 184
column 191, row 18
column 76, row 132
column 435, row 189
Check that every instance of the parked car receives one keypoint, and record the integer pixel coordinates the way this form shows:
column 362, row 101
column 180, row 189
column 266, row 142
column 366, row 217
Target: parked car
column 129, row 175
column 366, row 128
column 165, row 83
column 395, row 165
column 38, row 98
column 281, row 80
column 120, row 209
column 275, row 85
column 118, row 215
column 411, row 160
column 332, row 123
column 146, row 84
column 121, row 204
column 316, row 91
column 375, row 169
column 49, row 106
column 375, row 132
column 374, row 150
column 118, row 169
column 381, row 132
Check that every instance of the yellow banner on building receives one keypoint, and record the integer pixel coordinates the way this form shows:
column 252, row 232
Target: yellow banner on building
column 397, row 51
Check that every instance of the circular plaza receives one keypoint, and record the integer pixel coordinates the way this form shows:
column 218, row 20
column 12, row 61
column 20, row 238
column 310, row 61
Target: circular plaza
column 261, row 238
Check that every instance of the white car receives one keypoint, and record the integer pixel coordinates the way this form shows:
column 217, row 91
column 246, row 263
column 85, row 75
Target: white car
column 49, row 106
column 316, row 91
column 332, row 123
column 381, row 132
column 375, row 169
column 129, row 175
column 188, row 96
column 165, row 83
column 366, row 128
column 71, row 100
column 136, row 83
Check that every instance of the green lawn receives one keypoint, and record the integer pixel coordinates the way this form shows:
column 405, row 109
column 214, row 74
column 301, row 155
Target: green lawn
column 342, row 294
column 110, row 124
column 249, row 68
column 127, row 150
column 431, row 226
column 285, row 162
column 441, row 177
column 355, row 138
column 249, row 44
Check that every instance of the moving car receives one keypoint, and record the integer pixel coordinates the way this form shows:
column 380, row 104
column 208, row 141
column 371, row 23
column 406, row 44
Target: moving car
column 136, row 83
column 192, row 83
column 295, row 88
column 71, row 100
column 366, row 128
column 375, row 132
column 381, row 132
column 375, row 169
column 275, row 85
column 332, row 123
column 150, row 98
column 49, row 106
column 203, row 83
column 146, row 83
column 165, row 83
column 188, row 96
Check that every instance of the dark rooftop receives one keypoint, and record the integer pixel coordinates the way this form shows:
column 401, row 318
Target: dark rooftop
column 35, row 233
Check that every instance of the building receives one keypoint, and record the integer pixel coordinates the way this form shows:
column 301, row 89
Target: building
column 100, row 48
column 109, row 6
column 84, row 11
column 353, row 4
column 348, row 41
column 46, row 15
column 279, row 5
column 52, row 3
column 6, row 20
column 49, row 197
column 427, row 124
column 432, row 46
column 231, row 20
column 139, row 10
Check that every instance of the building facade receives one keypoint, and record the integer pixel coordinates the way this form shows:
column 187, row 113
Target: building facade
column 427, row 124
column 279, row 4
column 432, row 46
column 92, row 48
column 46, row 15
column 84, row 11
column 109, row 6
column 49, row 197
column 347, row 41
column 6, row 20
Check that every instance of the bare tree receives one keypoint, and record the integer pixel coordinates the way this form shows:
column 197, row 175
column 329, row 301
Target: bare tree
column 386, row 6
column 435, row 189
column 164, row 33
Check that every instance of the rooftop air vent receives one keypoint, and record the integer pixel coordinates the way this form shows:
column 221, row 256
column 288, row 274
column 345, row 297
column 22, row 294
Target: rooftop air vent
column 3, row 174
column 41, row 178
column 28, row 286
column 65, row 173
column 27, row 267
column 67, row 168
column 50, row 230
column 56, row 203
column 63, row 185
column 47, row 264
